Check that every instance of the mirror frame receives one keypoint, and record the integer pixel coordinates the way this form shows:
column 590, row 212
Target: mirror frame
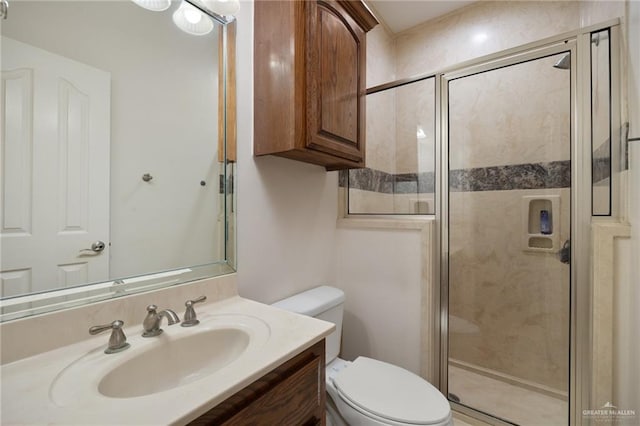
column 31, row 304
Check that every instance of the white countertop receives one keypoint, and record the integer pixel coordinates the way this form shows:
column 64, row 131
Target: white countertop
column 27, row 385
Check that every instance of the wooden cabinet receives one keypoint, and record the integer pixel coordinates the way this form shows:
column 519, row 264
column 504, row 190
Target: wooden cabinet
column 310, row 80
column 291, row 394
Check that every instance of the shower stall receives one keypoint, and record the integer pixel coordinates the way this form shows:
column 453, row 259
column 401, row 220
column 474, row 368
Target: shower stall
column 509, row 174
column 513, row 153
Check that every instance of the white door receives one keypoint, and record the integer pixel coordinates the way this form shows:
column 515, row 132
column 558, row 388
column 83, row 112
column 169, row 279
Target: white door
column 55, row 171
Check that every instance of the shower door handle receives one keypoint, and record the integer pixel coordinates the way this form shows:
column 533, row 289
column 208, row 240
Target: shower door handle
column 565, row 252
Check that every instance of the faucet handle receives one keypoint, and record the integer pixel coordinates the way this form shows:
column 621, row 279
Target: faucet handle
column 190, row 319
column 117, row 341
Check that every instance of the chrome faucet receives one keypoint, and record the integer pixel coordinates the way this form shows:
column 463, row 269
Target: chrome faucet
column 151, row 323
column 117, row 341
column 190, row 318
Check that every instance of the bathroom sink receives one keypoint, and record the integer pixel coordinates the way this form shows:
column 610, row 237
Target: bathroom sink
column 178, row 357
column 175, row 363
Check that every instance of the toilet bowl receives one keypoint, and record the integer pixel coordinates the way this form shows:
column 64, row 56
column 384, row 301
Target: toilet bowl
column 367, row 391
column 404, row 399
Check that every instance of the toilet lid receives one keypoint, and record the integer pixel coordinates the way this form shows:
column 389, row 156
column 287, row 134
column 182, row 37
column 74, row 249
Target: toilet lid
column 391, row 392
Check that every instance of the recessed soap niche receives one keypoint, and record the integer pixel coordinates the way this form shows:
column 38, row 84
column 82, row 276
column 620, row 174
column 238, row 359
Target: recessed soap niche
column 541, row 223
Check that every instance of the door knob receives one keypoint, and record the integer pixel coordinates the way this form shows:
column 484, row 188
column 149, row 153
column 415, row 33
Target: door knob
column 96, row 248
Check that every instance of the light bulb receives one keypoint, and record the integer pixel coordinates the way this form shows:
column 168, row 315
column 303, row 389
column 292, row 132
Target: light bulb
column 191, row 20
column 154, row 5
column 193, row 16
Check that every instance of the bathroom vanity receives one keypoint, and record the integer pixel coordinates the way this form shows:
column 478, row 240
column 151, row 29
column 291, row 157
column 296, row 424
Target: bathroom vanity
column 243, row 361
column 293, row 393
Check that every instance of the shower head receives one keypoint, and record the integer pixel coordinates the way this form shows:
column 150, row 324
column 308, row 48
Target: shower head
column 564, row 63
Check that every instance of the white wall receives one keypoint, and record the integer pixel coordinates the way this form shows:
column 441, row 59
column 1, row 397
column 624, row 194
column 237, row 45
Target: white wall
column 288, row 241
column 286, row 209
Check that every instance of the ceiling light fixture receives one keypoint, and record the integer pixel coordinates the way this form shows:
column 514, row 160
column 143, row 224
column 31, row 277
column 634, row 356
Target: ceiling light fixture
column 153, row 5
column 222, row 7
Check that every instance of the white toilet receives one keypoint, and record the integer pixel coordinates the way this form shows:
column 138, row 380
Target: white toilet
column 367, row 391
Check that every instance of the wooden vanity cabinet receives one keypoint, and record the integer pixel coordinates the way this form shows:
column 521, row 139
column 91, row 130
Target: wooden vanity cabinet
column 291, row 394
column 310, row 80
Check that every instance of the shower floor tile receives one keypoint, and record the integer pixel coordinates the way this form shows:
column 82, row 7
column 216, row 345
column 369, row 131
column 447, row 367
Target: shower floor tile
column 513, row 403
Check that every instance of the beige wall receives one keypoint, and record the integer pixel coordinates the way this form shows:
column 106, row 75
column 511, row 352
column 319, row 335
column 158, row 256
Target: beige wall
column 381, row 131
column 480, row 29
column 513, row 115
column 361, row 201
column 516, row 300
column 415, row 109
column 381, row 125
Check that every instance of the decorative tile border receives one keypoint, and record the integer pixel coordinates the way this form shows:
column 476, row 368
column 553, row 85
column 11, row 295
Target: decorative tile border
column 387, row 183
column 412, row 183
column 367, row 180
column 554, row 174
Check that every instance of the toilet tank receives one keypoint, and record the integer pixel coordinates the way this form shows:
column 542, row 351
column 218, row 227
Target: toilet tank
column 325, row 303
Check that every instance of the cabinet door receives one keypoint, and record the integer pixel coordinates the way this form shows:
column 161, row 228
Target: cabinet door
column 291, row 394
column 335, row 82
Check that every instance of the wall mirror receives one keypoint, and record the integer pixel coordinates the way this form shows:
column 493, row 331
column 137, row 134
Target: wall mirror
column 116, row 177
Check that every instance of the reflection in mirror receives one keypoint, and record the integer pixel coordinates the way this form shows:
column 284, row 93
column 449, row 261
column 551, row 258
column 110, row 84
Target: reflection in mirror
column 601, row 122
column 399, row 178
column 110, row 165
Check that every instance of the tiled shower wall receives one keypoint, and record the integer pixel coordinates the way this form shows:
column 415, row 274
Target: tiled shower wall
column 509, row 309
column 476, row 30
column 444, row 42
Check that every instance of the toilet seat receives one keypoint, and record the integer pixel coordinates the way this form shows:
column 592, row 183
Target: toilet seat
column 390, row 394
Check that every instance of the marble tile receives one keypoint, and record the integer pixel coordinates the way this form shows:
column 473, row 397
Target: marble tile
column 507, row 401
column 460, row 420
column 370, row 202
column 407, row 183
column 381, row 66
column 367, row 202
column 517, row 301
column 414, row 203
column 415, row 127
column 595, row 11
column 555, row 174
column 505, row 116
column 370, row 180
column 480, row 29
column 381, row 131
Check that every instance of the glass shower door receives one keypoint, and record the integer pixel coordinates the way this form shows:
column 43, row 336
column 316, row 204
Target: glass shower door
column 509, row 198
